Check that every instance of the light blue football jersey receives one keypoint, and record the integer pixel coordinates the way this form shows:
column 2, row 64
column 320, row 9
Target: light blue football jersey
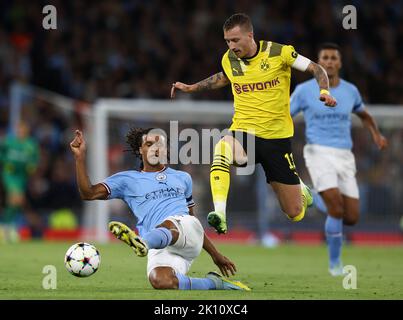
column 327, row 126
column 152, row 196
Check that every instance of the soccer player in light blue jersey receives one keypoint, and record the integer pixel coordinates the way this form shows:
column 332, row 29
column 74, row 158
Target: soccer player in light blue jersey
column 161, row 199
column 327, row 154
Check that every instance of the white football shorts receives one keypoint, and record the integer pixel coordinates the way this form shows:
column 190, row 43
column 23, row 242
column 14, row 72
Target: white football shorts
column 332, row 168
column 181, row 254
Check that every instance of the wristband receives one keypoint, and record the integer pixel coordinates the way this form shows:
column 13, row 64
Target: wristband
column 324, row 91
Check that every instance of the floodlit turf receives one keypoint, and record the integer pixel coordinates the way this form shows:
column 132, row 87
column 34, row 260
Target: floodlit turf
column 286, row 272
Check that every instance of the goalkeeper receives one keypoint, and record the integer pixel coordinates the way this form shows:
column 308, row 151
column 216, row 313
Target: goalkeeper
column 19, row 156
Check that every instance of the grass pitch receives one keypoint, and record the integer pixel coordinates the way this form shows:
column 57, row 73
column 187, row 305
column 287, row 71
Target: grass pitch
column 285, row 272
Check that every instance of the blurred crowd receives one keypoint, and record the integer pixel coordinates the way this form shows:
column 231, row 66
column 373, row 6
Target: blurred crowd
column 136, row 49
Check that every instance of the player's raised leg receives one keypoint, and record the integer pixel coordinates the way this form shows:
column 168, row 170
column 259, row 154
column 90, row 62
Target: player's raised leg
column 293, row 199
column 128, row 236
column 281, row 173
column 220, row 182
column 226, row 151
column 157, row 238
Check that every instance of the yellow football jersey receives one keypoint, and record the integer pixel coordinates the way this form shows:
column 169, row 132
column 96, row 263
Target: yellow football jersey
column 261, row 89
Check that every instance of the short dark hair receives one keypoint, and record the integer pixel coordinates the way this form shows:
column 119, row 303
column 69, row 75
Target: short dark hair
column 329, row 46
column 238, row 19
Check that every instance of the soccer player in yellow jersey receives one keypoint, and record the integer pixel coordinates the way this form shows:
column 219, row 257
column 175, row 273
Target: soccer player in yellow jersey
column 259, row 74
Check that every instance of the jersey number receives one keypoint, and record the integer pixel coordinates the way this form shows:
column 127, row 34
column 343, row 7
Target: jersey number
column 290, row 160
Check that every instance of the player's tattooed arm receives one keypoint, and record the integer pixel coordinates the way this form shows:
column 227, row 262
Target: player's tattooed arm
column 321, row 77
column 216, row 81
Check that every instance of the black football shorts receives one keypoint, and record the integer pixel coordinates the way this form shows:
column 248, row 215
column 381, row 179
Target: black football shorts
column 275, row 156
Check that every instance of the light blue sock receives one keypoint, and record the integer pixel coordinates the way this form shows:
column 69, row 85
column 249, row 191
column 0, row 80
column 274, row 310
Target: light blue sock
column 188, row 283
column 158, row 238
column 318, row 202
column 334, row 237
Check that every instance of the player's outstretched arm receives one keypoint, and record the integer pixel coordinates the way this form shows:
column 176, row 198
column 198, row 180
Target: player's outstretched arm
column 216, row 81
column 369, row 122
column 225, row 265
column 323, row 81
column 86, row 189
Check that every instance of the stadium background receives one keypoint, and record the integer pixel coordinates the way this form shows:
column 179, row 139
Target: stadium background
column 136, row 49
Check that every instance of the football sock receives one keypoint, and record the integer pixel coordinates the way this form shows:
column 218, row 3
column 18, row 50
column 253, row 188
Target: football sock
column 158, row 238
column 188, row 283
column 334, row 237
column 318, row 202
column 301, row 215
column 220, row 176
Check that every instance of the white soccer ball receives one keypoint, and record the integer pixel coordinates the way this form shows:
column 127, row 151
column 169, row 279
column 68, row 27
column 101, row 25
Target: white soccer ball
column 82, row 259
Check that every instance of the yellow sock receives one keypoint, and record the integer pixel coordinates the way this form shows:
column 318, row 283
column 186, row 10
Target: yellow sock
column 301, row 215
column 220, row 176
